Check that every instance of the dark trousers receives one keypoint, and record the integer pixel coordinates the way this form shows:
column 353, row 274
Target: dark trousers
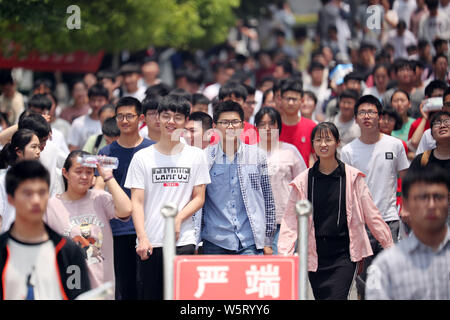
column 335, row 271
column 125, row 267
column 394, row 226
column 150, row 273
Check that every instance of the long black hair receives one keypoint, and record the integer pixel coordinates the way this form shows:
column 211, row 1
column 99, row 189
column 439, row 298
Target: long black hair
column 19, row 140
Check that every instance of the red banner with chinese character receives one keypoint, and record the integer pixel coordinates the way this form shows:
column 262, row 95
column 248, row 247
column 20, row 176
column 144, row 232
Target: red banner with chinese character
column 229, row 277
column 78, row 61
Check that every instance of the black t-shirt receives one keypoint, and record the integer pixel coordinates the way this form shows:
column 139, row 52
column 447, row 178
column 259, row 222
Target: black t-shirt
column 432, row 161
column 327, row 194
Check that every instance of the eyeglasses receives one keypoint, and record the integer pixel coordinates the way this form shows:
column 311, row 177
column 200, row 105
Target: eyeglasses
column 370, row 113
column 226, row 123
column 447, row 104
column 426, row 197
column 152, row 114
column 263, row 124
column 289, row 99
column 327, row 141
column 178, row 118
column 129, row 117
column 387, row 119
column 438, row 123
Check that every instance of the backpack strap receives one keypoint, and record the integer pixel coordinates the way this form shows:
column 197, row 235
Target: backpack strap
column 425, row 158
column 97, row 143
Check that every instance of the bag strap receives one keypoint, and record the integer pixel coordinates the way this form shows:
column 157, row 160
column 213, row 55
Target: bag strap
column 425, row 158
column 97, row 143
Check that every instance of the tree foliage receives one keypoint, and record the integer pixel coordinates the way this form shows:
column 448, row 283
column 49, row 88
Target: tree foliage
column 113, row 25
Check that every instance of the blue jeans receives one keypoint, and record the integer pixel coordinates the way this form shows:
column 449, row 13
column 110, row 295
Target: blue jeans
column 275, row 240
column 211, row 248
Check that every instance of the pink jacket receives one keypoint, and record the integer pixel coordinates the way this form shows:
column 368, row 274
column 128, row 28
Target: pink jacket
column 361, row 210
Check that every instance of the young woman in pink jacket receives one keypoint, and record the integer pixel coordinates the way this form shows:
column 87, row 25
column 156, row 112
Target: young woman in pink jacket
column 342, row 206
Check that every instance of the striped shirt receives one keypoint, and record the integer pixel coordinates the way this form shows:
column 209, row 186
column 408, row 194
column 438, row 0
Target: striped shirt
column 411, row 271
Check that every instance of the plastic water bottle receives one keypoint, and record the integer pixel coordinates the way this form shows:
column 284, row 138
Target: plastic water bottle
column 105, row 162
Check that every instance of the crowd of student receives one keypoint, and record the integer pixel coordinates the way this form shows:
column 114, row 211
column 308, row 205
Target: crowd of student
column 366, row 142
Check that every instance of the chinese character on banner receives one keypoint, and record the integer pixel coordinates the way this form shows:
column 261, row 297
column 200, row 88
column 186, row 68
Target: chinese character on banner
column 213, row 274
column 265, row 281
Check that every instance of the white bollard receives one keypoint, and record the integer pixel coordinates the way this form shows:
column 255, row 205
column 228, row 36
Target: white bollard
column 304, row 210
column 169, row 211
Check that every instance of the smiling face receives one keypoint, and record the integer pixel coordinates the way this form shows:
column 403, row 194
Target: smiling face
column 127, row 119
column 441, row 130
column 325, row 144
column 171, row 124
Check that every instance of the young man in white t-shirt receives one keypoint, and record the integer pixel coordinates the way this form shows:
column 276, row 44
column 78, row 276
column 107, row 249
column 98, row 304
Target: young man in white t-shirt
column 381, row 158
column 37, row 263
column 168, row 171
column 85, row 126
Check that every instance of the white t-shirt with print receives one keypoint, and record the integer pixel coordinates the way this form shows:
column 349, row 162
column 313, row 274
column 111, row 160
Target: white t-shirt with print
column 380, row 162
column 31, row 272
column 167, row 178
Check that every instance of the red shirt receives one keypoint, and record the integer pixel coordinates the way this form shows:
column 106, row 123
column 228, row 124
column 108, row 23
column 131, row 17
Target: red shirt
column 414, row 126
column 250, row 134
column 300, row 136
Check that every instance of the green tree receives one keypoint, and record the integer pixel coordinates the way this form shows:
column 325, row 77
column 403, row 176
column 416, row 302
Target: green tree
column 113, row 25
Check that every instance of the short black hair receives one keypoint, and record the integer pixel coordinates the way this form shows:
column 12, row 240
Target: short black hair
column 391, row 112
column 352, row 94
column 439, row 42
column 207, row 121
column 232, row 87
column 250, row 90
column 315, row 65
column 110, row 128
column 36, row 122
column 437, row 116
column 40, row 101
column 436, row 57
column 311, row 94
column 272, row 113
column 22, row 171
column 370, row 99
column 175, row 103
column 446, row 93
column 98, row 90
column 353, row 76
column 106, row 107
column 150, row 104
column 183, row 93
column 129, row 101
column 130, row 68
column 160, row 89
column 431, row 175
column 432, row 4
column 227, row 106
column 403, row 63
column 433, row 85
column 286, row 65
column 106, row 74
column 199, row 98
column 292, row 85
column 195, row 76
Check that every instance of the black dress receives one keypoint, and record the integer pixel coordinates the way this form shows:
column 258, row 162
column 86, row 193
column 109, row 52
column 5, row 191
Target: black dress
column 335, row 271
